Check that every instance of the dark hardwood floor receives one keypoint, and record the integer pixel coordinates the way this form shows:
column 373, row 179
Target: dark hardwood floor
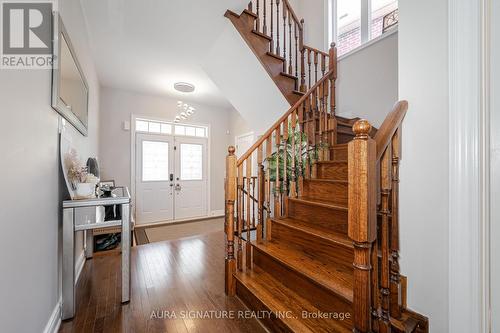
column 171, row 277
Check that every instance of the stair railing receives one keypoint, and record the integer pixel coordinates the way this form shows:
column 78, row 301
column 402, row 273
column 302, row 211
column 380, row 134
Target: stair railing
column 373, row 221
column 277, row 20
column 274, row 168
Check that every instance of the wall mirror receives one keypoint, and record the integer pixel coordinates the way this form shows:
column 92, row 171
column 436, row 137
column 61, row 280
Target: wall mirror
column 70, row 90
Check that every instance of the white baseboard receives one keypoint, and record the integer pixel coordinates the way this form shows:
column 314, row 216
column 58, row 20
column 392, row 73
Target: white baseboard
column 54, row 320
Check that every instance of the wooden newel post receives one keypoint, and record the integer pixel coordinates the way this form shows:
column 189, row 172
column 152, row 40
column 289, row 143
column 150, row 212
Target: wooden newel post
column 230, row 285
column 362, row 219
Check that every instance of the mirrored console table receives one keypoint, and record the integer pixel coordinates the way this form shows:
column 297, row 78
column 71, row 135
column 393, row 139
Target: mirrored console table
column 87, row 215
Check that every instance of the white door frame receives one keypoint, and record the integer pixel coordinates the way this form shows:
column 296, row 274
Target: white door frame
column 469, row 163
column 133, row 118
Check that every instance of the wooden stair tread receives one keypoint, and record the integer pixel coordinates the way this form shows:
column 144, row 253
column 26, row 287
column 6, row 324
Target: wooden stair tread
column 336, row 278
column 332, row 162
column 246, row 11
column 298, row 92
column 291, row 76
column 319, row 180
column 319, row 202
column 317, row 231
column 274, row 55
column 258, row 33
column 278, row 298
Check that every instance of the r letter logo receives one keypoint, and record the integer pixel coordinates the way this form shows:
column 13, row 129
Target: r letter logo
column 26, row 34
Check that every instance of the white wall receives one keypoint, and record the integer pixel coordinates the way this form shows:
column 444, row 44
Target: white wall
column 495, row 165
column 31, row 187
column 423, row 81
column 315, row 22
column 239, row 75
column 118, row 105
column 237, row 126
column 367, row 83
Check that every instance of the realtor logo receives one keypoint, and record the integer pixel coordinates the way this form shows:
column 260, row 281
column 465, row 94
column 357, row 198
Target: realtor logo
column 26, row 35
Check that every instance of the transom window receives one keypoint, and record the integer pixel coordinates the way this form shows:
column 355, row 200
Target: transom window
column 355, row 22
column 159, row 127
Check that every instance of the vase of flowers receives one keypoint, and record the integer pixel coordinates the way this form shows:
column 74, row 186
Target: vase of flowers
column 82, row 182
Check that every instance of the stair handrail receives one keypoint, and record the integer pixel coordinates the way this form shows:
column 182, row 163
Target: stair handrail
column 271, row 130
column 330, row 75
column 390, row 125
column 373, row 220
column 294, row 16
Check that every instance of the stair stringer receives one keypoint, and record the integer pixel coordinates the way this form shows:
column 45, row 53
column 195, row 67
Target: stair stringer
column 242, row 79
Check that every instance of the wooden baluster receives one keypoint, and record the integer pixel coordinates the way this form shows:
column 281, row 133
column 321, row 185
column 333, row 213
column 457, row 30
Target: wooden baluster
column 285, row 11
column 375, row 301
column 230, row 261
column 309, row 67
column 301, row 158
column 253, row 201
column 250, row 6
column 277, row 191
column 264, row 21
column 307, row 129
column 326, row 90
column 239, row 256
column 278, row 27
column 271, row 44
column 362, row 219
column 285, row 167
column 324, row 97
column 269, row 151
column 313, row 108
column 333, row 77
column 385, row 189
column 395, row 276
column 319, row 106
column 293, row 179
column 248, row 247
column 315, row 67
column 302, row 58
column 323, row 65
column 295, row 28
column 261, row 196
column 290, row 64
column 257, row 20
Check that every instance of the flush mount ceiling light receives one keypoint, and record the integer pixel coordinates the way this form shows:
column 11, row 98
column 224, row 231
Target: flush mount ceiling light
column 184, row 87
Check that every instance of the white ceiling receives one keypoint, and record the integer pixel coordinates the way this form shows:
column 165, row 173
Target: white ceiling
column 148, row 45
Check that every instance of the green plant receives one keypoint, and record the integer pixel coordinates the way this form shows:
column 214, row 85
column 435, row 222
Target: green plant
column 304, row 154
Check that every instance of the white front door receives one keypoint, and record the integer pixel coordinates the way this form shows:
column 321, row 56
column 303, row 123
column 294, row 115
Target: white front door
column 154, row 178
column 191, row 176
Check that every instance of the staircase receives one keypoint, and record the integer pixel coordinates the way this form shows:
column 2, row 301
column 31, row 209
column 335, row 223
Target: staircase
column 312, row 234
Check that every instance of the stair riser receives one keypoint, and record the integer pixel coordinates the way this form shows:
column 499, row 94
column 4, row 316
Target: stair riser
column 320, row 248
column 274, row 324
column 322, row 298
column 274, row 65
column 335, row 171
column 285, row 82
column 344, row 138
column 328, row 218
column 338, row 154
column 248, row 19
column 335, row 192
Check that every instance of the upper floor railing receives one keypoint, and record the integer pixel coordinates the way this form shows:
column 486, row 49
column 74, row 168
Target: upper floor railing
column 277, row 20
